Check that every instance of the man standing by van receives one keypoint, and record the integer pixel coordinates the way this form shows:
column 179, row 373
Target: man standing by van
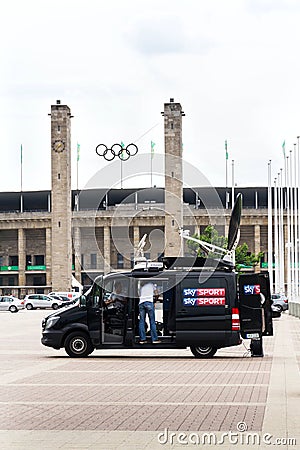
column 146, row 306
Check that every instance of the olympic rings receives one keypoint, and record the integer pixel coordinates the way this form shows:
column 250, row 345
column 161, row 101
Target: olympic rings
column 116, row 150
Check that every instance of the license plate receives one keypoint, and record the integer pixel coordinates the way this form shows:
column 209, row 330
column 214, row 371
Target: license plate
column 252, row 335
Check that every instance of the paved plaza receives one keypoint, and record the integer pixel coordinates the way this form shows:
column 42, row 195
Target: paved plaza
column 139, row 399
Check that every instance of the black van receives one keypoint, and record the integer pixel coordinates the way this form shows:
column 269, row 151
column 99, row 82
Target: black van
column 201, row 303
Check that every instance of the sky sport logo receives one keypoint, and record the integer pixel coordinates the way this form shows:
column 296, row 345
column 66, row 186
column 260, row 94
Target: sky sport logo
column 252, row 289
column 239, row 438
column 204, row 292
column 203, row 297
column 204, row 301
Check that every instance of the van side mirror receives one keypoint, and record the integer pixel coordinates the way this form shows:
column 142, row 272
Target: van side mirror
column 82, row 301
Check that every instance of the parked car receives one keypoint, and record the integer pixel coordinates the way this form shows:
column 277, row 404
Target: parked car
column 66, row 300
column 42, row 301
column 276, row 311
column 280, row 300
column 10, row 303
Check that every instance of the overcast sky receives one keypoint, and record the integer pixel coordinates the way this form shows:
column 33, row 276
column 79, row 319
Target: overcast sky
column 232, row 64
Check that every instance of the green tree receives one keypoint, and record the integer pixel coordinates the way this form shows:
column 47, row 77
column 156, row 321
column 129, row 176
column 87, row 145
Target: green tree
column 244, row 258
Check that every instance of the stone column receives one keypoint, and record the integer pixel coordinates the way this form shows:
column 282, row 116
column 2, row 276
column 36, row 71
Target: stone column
column 61, row 197
column 22, row 256
column 197, row 230
column 106, row 249
column 48, row 257
column 77, row 252
column 173, row 178
column 257, row 244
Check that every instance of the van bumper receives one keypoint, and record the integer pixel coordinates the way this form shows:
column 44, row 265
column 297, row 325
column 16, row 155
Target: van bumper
column 217, row 339
column 53, row 338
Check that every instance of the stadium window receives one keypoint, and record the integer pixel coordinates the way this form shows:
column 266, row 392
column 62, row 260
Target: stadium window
column 120, row 261
column 13, row 260
column 93, row 260
column 39, row 260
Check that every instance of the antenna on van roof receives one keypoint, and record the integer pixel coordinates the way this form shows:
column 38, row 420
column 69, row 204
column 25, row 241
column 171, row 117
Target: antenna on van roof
column 226, row 255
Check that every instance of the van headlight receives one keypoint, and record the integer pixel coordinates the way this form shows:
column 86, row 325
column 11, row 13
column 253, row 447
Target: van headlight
column 51, row 322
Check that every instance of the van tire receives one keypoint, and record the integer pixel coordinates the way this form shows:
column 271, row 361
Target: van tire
column 203, row 351
column 78, row 345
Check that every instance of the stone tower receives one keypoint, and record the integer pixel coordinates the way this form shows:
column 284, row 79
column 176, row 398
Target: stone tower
column 61, row 248
column 173, row 177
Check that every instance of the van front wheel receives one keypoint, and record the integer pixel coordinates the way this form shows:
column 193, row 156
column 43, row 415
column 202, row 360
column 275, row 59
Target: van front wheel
column 203, row 351
column 78, row 345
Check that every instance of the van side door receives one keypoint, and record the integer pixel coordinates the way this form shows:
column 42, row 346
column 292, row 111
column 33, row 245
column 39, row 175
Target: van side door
column 203, row 308
column 93, row 307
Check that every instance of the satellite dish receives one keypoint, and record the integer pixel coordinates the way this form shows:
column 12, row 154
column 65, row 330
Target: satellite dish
column 234, row 225
column 139, row 252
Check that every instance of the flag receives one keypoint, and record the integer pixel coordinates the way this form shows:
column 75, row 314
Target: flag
column 152, row 149
column 78, row 151
column 283, row 148
column 226, row 152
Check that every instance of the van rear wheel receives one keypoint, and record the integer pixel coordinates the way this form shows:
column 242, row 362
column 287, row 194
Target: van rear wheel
column 78, row 345
column 203, row 351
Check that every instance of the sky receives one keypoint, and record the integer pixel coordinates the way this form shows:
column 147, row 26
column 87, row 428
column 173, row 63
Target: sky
column 233, row 65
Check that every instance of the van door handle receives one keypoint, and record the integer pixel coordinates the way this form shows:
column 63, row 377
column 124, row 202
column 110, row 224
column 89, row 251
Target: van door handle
column 183, row 311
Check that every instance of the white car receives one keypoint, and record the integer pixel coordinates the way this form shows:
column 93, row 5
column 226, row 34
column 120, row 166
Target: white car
column 42, row 301
column 10, row 303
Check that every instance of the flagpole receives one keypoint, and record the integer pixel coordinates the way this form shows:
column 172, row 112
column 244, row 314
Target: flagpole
column 276, row 238
column 288, row 244
column 232, row 188
column 298, row 201
column 21, row 197
column 270, row 235
column 292, row 227
column 21, row 168
column 226, row 164
column 151, row 166
column 77, row 167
